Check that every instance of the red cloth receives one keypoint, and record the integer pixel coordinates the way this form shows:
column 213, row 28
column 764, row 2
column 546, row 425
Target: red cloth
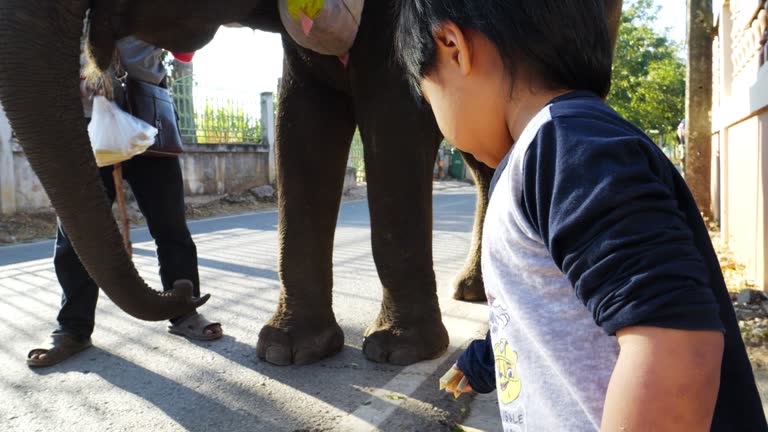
column 183, row 57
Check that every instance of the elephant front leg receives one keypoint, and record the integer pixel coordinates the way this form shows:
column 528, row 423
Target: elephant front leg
column 468, row 284
column 409, row 326
column 400, row 142
column 314, row 131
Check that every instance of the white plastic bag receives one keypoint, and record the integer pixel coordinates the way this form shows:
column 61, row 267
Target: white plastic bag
column 117, row 136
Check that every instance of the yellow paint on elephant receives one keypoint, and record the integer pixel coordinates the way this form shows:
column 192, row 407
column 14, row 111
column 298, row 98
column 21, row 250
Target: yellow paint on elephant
column 310, row 8
column 507, row 380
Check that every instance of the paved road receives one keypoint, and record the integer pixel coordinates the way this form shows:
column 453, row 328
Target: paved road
column 138, row 377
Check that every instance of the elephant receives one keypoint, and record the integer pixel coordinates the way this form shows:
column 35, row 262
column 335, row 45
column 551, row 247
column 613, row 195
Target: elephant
column 321, row 103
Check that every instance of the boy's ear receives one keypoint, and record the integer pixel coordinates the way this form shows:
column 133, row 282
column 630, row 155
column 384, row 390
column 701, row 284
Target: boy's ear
column 453, row 46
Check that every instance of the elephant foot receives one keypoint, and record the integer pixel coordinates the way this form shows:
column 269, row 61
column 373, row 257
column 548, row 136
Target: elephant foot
column 399, row 339
column 468, row 286
column 298, row 341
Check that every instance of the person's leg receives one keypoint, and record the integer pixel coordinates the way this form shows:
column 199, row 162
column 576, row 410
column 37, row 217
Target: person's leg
column 158, row 186
column 78, row 300
column 79, row 292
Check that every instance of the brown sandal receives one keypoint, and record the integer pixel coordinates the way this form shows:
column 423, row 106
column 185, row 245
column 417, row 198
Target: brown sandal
column 194, row 327
column 61, row 347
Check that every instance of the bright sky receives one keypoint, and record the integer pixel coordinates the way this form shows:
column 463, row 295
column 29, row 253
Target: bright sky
column 672, row 16
column 242, row 63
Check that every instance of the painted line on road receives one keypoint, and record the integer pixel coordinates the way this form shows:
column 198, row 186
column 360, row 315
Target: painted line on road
column 378, row 409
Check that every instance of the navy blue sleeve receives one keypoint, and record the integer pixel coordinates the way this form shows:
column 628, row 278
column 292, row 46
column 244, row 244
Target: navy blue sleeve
column 477, row 364
column 613, row 226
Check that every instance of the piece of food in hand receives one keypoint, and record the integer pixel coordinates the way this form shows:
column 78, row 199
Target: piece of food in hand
column 451, row 379
column 460, row 388
column 454, row 382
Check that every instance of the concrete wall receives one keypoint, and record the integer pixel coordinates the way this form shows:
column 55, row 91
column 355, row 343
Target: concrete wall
column 740, row 135
column 210, row 169
column 29, row 193
column 219, row 169
column 207, row 170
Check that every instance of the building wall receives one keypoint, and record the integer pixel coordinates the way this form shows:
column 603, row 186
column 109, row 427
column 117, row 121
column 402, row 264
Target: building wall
column 740, row 117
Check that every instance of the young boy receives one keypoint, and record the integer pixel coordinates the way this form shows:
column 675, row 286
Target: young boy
column 607, row 305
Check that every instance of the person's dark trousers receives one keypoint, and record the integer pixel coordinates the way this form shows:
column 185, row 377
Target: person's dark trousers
column 158, row 187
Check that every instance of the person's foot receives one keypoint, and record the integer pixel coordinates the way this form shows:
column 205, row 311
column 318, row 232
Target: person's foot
column 61, row 347
column 196, row 326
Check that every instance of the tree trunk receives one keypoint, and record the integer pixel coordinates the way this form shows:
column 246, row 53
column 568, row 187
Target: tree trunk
column 698, row 103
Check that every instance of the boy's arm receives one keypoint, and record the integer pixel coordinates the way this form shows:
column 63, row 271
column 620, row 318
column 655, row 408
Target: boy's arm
column 613, row 224
column 477, row 364
column 664, row 380
column 609, row 215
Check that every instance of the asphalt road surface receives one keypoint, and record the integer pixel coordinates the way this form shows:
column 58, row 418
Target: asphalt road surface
column 138, row 377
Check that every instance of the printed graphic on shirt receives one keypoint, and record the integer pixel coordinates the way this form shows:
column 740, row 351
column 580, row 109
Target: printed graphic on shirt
column 499, row 317
column 507, row 380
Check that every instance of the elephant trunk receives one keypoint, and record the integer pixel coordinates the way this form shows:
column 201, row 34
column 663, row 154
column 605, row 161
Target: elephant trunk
column 39, row 89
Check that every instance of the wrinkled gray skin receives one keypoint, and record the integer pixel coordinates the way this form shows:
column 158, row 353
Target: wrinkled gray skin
column 39, row 89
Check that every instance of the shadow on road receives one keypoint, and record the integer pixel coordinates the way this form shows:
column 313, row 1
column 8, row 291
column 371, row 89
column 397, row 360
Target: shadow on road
column 192, row 410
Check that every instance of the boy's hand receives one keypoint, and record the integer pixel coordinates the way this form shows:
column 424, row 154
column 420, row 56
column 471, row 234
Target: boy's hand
column 455, row 382
column 664, row 380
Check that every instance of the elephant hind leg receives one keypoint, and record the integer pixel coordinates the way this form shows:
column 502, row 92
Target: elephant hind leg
column 468, row 284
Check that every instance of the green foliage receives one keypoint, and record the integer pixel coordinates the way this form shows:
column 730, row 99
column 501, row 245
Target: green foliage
column 227, row 124
column 648, row 73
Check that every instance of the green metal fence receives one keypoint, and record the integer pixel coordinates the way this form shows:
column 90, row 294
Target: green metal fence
column 356, row 159
column 214, row 119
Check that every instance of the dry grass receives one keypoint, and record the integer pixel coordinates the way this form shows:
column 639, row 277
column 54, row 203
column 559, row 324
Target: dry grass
column 754, row 331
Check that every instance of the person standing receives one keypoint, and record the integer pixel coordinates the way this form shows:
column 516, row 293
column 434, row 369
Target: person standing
column 158, row 186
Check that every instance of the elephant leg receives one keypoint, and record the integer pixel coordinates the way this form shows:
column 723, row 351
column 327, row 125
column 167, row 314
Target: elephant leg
column 409, row 327
column 468, row 285
column 400, row 140
column 314, row 131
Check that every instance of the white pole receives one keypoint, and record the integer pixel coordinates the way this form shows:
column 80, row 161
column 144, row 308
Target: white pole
column 7, row 178
column 268, row 131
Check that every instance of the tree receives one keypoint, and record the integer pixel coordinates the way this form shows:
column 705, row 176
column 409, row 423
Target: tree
column 648, row 74
column 227, row 124
column 698, row 156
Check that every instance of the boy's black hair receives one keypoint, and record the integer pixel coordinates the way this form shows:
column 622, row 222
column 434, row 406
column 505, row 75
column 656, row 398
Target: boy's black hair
column 566, row 42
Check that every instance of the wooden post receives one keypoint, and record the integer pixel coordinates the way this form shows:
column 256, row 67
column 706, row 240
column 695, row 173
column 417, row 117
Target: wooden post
column 7, row 176
column 117, row 175
column 268, row 130
column 698, row 103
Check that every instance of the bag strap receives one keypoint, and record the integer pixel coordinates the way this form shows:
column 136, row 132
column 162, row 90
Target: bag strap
column 117, row 65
